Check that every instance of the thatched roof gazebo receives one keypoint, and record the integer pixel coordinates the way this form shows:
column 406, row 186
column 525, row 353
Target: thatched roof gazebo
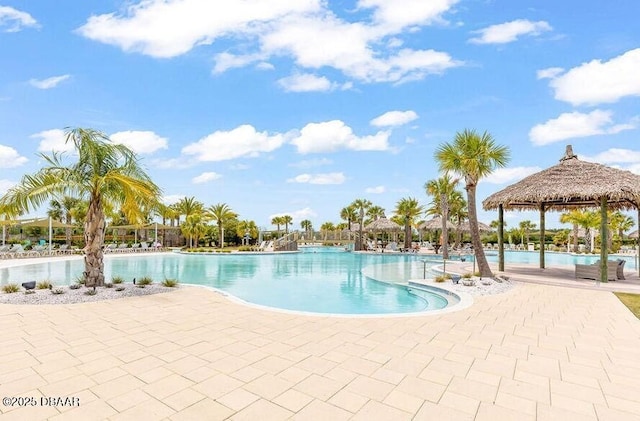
column 435, row 224
column 383, row 224
column 568, row 185
column 482, row 227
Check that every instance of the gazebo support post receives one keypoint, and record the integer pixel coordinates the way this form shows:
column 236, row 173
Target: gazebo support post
column 500, row 238
column 637, row 240
column 603, row 239
column 542, row 241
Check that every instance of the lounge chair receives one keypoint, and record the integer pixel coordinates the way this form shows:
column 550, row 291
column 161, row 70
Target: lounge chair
column 620, row 268
column 593, row 271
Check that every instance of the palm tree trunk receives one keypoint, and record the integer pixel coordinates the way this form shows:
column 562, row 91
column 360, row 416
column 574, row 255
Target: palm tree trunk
column 407, row 234
column 67, row 231
column 575, row 238
column 481, row 259
column 445, row 233
column 94, row 239
column 220, row 235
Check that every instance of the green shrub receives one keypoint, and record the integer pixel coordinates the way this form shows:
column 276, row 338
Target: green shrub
column 80, row 280
column 75, row 286
column 467, row 275
column 117, row 280
column 43, row 285
column 57, row 291
column 92, row 291
column 440, row 278
column 145, row 280
column 171, row 283
column 10, row 288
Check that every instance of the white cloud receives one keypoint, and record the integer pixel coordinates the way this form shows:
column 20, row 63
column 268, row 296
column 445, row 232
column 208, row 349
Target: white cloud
column 10, row 158
column 243, row 141
column 13, row 20
column 306, row 31
column 48, row 83
column 549, row 73
column 327, row 178
column 510, row 175
column 173, row 163
column 5, row 185
column 398, row 14
column 598, row 82
column 170, row 199
column 615, row 156
column 394, row 118
column 206, row 177
column 575, row 125
column 334, row 135
column 53, row 141
column 504, row 33
column 141, row 142
column 375, row 190
column 306, row 83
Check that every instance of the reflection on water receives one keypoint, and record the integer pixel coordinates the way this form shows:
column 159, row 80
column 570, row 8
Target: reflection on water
column 324, row 282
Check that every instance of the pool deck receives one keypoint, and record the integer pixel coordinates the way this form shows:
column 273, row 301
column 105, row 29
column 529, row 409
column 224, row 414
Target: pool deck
column 538, row 352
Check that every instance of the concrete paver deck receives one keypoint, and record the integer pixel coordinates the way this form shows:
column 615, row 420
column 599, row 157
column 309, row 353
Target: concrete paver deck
column 537, row 352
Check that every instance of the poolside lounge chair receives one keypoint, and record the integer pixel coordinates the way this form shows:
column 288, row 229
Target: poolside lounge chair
column 620, row 268
column 593, row 271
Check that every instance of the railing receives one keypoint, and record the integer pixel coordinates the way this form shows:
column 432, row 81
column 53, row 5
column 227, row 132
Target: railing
column 288, row 242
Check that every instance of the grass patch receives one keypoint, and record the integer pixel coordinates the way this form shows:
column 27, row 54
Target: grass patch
column 44, row 285
column 170, row 283
column 145, row 280
column 117, row 280
column 632, row 301
column 10, row 288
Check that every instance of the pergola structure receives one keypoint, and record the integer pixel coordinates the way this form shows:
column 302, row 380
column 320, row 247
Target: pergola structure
column 568, row 185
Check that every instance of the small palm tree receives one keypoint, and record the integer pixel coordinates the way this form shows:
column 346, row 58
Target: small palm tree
column 408, row 209
column 473, row 156
column 349, row 214
column 277, row 221
column 442, row 190
column 286, row 220
column 195, row 227
column 573, row 218
column 325, row 228
column 374, row 213
column 63, row 211
column 361, row 206
column 104, row 174
column 246, row 226
column 221, row 214
column 525, row 227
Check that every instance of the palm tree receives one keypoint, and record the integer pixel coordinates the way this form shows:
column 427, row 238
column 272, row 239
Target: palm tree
column 307, row 226
column 588, row 219
column 63, row 210
column 104, row 173
column 221, row 214
column 194, row 226
column 361, row 206
column 349, row 214
column 325, row 228
column 573, row 217
column 409, row 210
column 458, row 212
column 525, row 227
column 442, row 190
column 277, row 221
column 473, row 157
column 374, row 213
column 247, row 226
column 286, row 220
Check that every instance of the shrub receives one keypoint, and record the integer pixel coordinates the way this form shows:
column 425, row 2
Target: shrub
column 10, row 288
column 117, row 280
column 57, row 291
column 145, row 280
column 108, row 285
column 92, row 291
column 44, row 285
column 467, row 275
column 440, row 278
column 120, row 288
column 171, row 283
column 75, row 286
column 30, row 291
column 80, row 279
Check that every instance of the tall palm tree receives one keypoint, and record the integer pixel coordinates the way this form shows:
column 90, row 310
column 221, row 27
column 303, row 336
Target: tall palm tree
column 525, row 227
column 473, row 156
column 286, row 220
column 307, row 226
column 442, row 190
column 194, row 226
column 277, row 221
column 409, row 210
column 361, row 206
column 325, row 228
column 63, row 211
column 189, row 206
column 221, row 214
column 374, row 213
column 349, row 214
column 458, row 213
column 104, row 173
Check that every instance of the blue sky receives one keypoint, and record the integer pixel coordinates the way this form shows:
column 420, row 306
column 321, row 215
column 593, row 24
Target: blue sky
column 301, row 106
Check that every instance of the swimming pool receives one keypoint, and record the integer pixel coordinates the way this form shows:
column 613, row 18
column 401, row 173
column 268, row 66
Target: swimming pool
column 555, row 258
column 317, row 280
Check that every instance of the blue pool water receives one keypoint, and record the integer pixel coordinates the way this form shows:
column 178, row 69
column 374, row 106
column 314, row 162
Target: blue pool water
column 554, row 258
column 319, row 280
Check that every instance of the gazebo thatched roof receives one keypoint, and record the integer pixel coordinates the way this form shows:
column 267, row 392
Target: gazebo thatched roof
column 435, row 224
column 383, row 224
column 570, row 184
column 482, row 227
column 634, row 234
